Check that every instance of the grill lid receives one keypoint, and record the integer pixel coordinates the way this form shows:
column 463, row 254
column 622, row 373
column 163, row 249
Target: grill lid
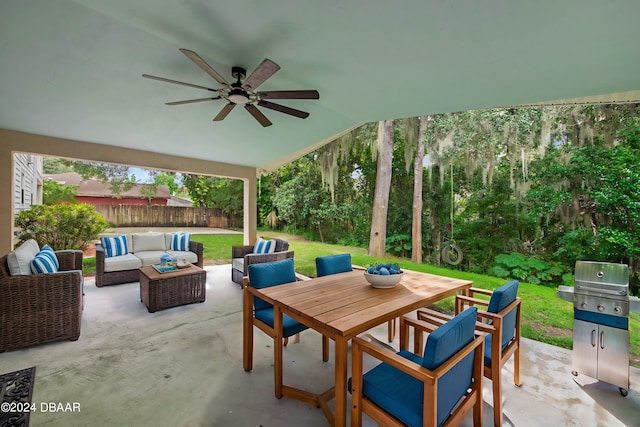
column 602, row 287
column 604, row 279
column 602, row 272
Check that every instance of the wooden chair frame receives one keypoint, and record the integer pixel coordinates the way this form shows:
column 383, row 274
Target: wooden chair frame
column 490, row 323
column 472, row 401
column 249, row 321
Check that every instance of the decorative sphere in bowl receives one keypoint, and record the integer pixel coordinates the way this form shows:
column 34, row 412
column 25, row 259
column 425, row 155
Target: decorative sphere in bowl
column 383, row 281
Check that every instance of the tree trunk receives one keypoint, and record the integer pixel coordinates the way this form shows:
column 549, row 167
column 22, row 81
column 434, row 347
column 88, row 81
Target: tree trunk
column 416, row 224
column 378, row 235
column 438, row 240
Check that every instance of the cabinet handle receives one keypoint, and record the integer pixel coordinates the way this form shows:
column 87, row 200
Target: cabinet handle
column 593, row 338
column 602, row 340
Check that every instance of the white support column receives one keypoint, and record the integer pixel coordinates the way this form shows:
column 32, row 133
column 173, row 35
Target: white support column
column 250, row 210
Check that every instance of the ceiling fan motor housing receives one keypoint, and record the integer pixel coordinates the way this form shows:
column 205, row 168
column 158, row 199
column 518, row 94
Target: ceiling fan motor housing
column 238, row 73
column 238, row 96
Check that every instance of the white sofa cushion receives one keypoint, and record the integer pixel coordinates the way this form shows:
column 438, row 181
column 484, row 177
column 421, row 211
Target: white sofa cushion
column 149, row 257
column 238, row 264
column 122, row 262
column 148, row 242
column 185, row 255
column 19, row 260
column 167, row 240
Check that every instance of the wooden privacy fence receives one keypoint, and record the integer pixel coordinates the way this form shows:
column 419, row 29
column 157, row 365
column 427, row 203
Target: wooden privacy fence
column 165, row 216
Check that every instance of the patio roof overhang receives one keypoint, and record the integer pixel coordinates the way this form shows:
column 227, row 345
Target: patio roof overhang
column 71, row 71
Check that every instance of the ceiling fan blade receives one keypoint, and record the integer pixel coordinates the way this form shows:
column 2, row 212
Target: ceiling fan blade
column 266, row 69
column 162, row 79
column 206, row 67
column 191, row 100
column 224, row 112
column 283, row 109
column 257, row 114
column 290, row 94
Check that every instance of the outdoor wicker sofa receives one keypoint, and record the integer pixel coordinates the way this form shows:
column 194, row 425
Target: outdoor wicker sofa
column 40, row 308
column 152, row 249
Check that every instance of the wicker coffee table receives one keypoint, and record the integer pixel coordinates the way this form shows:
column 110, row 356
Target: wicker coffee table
column 164, row 290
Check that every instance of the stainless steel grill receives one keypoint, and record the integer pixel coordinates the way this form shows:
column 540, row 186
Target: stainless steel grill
column 601, row 306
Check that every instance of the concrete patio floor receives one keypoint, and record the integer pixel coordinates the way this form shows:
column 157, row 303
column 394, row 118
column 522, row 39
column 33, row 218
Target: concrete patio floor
column 183, row 367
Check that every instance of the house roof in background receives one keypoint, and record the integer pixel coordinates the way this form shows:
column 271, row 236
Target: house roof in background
column 94, row 188
column 179, row 201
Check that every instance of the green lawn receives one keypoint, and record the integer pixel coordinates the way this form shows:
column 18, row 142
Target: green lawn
column 545, row 317
column 217, row 247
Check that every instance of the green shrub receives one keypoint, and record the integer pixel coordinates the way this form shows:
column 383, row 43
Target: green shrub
column 60, row 226
column 399, row 244
column 527, row 269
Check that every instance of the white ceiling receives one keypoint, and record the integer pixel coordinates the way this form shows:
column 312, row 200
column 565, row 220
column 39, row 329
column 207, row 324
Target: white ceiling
column 73, row 69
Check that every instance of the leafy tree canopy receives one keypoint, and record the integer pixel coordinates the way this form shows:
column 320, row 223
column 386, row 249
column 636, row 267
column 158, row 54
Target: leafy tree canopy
column 53, row 192
column 214, row 192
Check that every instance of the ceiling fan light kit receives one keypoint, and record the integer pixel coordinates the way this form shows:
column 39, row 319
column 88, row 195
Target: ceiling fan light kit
column 242, row 92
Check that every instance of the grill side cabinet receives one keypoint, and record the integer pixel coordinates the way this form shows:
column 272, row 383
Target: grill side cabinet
column 601, row 352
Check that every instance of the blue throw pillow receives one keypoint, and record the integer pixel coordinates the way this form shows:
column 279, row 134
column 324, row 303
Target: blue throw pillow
column 264, row 247
column 115, row 246
column 42, row 263
column 48, row 251
column 180, row 241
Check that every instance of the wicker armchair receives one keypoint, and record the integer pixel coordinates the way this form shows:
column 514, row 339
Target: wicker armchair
column 242, row 257
column 41, row 308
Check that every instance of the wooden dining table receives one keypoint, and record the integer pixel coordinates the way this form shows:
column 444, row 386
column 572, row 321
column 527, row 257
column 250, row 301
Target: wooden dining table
column 340, row 307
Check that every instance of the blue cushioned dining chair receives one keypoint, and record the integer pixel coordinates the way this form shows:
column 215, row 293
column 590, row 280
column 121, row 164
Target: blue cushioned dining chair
column 501, row 323
column 259, row 313
column 333, row 264
column 439, row 388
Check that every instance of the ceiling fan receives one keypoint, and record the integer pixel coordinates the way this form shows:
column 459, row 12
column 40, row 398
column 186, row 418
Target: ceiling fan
column 243, row 91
